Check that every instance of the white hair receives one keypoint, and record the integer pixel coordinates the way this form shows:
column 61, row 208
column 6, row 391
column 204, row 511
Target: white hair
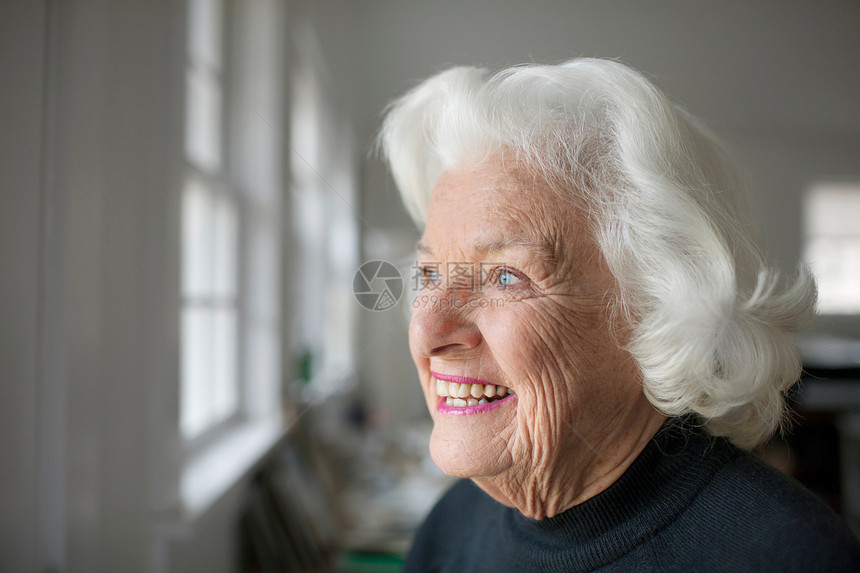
column 710, row 321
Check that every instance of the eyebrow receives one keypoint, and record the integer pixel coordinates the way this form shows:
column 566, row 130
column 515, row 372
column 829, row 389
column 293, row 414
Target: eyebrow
column 543, row 249
column 423, row 248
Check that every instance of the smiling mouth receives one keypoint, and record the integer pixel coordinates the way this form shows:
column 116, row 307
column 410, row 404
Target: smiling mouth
column 462, row 395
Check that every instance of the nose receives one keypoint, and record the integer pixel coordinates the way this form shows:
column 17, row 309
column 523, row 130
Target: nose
column 442, row 325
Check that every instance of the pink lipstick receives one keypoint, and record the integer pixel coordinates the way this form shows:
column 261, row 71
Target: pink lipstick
column 464, row 395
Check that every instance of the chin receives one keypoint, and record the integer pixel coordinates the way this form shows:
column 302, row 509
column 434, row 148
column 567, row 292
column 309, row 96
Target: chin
column 459, row 460
column 453, row 466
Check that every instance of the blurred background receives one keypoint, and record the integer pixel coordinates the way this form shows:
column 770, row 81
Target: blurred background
column 187, row 379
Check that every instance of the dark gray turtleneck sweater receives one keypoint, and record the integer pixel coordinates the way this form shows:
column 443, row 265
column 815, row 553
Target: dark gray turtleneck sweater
column 689, row 502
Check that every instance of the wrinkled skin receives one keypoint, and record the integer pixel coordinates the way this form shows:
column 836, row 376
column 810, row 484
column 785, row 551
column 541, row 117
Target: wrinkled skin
column 547, row 331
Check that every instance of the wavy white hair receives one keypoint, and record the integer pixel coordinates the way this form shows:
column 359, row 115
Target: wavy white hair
column 710, row 321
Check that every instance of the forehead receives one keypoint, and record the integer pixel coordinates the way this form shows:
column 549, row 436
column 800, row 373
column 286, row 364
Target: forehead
column 495, row 202
column 495, row 186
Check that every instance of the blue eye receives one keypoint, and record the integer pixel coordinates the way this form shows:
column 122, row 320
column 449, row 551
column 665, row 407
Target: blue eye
column 506, row 278
column 429, row 275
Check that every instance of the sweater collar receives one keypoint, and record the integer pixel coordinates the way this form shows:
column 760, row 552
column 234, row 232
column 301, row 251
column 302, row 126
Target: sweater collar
column 652, row 492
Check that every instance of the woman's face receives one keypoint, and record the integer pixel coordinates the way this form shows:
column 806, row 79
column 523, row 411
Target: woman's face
column 518, row 302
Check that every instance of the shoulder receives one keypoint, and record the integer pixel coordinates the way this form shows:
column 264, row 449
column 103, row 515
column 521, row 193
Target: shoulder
column 452, row 506
column 752, row 514
column 463, row 510
column 462, row 490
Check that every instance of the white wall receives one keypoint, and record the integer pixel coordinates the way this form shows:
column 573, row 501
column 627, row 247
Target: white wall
column 22, row 43
column 91, row 150
column 105, row 129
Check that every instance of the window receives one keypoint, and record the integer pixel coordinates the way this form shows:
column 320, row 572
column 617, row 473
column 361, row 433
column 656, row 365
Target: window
column 832, row 245
column 230, row 410
column 210, row 308
column 210, row 236
column 324, row 218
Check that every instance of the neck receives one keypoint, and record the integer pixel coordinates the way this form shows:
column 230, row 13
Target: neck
column 588, row 467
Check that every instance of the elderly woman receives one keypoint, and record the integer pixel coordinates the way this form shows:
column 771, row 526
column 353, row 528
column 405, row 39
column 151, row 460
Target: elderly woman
column 604, row 340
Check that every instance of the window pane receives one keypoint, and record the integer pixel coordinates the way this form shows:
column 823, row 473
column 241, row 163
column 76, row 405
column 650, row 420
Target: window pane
column 262, row 366
column 832, row 209
column 210, row 228
column 210, row 337
column 198, row 247
column 225, row 238
column 224, row 389
column 197, row 337
column 205, row 25
column 306, row 126
column 209, row 368
column 836, row 264
column 203, row 119
column 833, row 245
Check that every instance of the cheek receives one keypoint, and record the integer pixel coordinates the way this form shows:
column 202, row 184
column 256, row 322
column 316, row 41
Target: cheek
column 564, row 361
column 533, row 351
column 540, row 340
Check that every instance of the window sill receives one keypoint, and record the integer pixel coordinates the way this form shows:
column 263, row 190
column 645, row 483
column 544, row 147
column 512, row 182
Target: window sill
column 214, row 472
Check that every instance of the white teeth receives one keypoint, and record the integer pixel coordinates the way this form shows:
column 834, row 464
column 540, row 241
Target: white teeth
column 461, row 395
column 441, row 388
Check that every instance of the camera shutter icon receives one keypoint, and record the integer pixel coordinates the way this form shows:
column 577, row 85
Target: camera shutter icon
column 377, row 285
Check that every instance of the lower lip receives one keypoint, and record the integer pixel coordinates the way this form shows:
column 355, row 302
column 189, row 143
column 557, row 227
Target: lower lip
column 444, row 408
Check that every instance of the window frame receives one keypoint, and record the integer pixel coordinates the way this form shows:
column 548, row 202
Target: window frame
column 218, row 182
column 213, row 463
column 814, row 231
